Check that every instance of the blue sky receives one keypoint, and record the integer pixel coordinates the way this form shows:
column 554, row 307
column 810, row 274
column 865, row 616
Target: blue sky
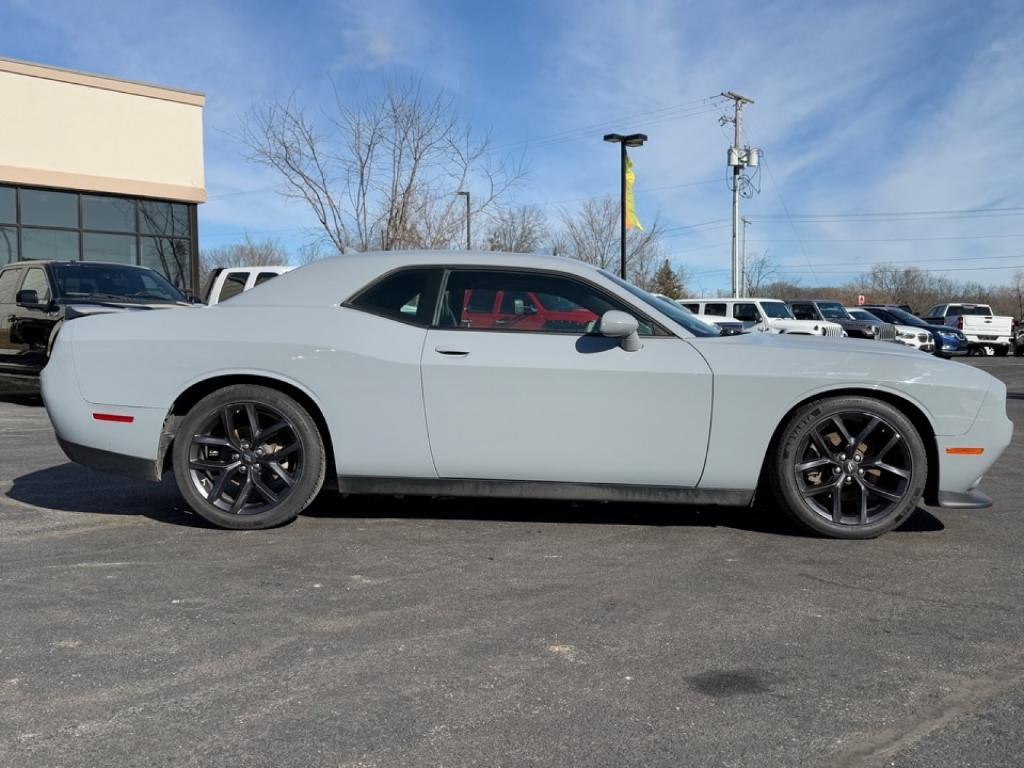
column 861, row 107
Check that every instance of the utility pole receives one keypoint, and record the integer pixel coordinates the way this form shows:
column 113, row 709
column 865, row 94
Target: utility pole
column 744, row 288
column 738, row 160
column 469, row 240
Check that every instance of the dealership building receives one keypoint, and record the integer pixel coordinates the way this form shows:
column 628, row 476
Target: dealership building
column 99, row 169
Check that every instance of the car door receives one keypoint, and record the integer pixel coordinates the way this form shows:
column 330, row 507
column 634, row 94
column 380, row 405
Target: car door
column 804, row 310
column 747, row 313
column 10, row 279
column 552, row 404
column 31, row 326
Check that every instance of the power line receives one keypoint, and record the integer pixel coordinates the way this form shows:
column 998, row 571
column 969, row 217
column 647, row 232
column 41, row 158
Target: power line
column 893, row 215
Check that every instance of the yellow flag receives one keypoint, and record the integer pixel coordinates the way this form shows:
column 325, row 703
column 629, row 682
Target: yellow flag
column 631, row 219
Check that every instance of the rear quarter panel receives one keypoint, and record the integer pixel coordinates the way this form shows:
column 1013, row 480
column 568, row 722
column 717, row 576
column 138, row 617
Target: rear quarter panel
column 361, row 370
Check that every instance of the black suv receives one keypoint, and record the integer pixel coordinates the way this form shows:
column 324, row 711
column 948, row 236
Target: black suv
column 36, row 297
column 818, row 309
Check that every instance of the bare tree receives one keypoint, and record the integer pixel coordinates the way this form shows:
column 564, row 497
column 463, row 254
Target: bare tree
column 591, row 234
column 248, row 253
column 517, row 230
column 758, row 272
column 382, row 174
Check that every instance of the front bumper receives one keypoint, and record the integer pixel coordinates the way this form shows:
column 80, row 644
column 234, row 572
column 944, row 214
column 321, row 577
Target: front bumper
column 961, row 472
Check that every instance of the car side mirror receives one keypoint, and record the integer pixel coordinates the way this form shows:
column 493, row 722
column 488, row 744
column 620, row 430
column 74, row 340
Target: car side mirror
column 28, row 298
column 616, row 324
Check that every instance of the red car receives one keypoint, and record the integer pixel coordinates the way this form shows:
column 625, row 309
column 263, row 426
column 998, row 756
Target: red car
column 524, row 311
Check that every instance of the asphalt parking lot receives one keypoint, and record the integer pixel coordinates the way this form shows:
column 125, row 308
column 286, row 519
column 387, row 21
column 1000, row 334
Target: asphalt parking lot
column 404, row 632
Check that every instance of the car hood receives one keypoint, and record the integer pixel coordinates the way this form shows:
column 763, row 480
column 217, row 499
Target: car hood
column 77, row 308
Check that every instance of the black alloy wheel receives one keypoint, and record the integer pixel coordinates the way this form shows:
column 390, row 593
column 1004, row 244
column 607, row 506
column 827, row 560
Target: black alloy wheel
column 248, row 457
column 850, row 467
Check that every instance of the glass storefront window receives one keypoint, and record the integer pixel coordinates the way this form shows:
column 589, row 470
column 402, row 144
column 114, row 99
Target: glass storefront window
column 71, row 226
column 8, row 206
column 49, row 244
column 114, row 214
column 46, row 208
column 8, row 245
column 115, row 248
column 171, row 257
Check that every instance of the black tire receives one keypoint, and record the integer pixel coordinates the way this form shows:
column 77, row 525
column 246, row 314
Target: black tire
column 1002, row 350
column 813, row 436
column 257, row 448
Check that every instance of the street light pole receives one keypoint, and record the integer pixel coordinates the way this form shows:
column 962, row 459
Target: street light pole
column 469, row 239
column 632, row 140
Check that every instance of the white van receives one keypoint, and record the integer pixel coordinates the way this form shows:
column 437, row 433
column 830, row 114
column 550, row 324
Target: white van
column 765, row 315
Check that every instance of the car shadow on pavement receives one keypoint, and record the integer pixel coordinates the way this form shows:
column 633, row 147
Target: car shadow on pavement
column 759, row 519
column 72, row 488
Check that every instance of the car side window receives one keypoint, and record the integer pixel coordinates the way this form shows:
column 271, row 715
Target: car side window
column 407, row 295
column 695, row 308
column 9, row 280
column 803, row 311
column 567, row 306
column 35, row 280
column 746, row 312
column 716, row 309
column 234, row 284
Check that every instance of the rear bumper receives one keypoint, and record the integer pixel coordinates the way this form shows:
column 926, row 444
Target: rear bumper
column 108, row 461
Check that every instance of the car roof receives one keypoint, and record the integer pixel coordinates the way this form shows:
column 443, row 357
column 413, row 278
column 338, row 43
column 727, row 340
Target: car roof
column 279, row 268
column 332, row 280
column 70, row 262
column 730, row 298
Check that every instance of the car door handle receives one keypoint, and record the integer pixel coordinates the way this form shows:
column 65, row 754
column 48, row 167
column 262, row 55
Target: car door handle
column 451, row 351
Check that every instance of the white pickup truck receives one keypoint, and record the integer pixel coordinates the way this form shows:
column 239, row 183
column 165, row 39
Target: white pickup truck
column 986, row 333
column 225, row 282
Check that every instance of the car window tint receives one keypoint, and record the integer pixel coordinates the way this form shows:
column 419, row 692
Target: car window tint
column 746, row 312
column 715, row 309
column 695, row 308
column 804, row 312
column 9, row 280
column 567, row 306
column 234, row 284
column 480, row 300
column 35, row 280
column 401, row 295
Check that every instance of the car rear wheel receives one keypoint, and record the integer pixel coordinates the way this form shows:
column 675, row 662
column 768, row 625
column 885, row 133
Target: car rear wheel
column 849, row 467
column 248, row 457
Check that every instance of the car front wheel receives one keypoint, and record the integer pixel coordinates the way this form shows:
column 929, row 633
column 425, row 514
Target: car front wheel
column 849, row 467
column 248, row 457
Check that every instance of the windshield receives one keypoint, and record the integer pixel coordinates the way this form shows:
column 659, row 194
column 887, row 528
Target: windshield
column 667, row 307
column 112, row 282
column 863, row 314
column 832, row 310
column 776, row 309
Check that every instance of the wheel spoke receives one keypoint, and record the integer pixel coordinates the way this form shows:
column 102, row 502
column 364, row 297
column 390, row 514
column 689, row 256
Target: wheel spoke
column 281, row 472
column 847, row 438
column 819, row 443
column 277, row 455
column 207, row 440
column 859, row 440
column 254, row 422
column 837, row 503
column 888, row 447
column 205, row 465
column 263, row 436
column 816, row 490
column 227, row 418
column 813, row 463
column 265, row 491
column 218, row 487
column 887, row 495
column 888, row 468
column 863, row 503
column 243, row 495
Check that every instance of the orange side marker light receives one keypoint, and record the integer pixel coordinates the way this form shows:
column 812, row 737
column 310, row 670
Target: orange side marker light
column 965, row 451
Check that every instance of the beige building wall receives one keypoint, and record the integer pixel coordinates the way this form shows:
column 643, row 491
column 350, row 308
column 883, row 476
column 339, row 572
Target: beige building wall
column 77, row 131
